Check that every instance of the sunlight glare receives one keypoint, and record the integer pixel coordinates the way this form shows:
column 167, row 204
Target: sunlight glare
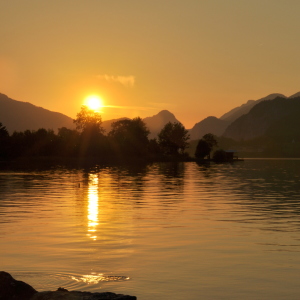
column 94, row 102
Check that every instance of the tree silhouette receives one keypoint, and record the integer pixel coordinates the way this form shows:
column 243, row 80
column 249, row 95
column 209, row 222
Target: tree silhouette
column 129, row 137
column 34, row 143
column 205, row 146
column 210, row 139
column 173, row 138
column 3, row 131
column 68, row 140
column 88, row 119
column 202, row 149
column 91, row 143
column 4, row 139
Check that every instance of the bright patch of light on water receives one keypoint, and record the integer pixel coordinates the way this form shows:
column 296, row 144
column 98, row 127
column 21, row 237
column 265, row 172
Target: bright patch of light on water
column 96, row 278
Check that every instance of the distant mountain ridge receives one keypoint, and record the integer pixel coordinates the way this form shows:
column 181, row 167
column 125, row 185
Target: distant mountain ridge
column 20, row 116
column 235, row 113
column 218, row 126
column 208, row 125
column 265, row 115
column 154, row 123
column 242, row 122
column 294, row 95
column 158, row 121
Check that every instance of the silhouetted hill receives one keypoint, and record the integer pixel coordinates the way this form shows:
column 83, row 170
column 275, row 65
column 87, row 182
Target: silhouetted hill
column 295, row 95
column 20, row 116
column 287, row 128
column 208, row 125
column 158, row 121
column 154, row 123
column 265, row 117
column 235, row 113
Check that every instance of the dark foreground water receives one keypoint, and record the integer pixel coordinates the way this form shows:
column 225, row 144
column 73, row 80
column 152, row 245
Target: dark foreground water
column 162, row 231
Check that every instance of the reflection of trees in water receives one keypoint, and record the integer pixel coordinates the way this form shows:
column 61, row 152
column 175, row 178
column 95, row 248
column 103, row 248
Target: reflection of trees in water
column 170, row 181
column 172, row 169
column 32, row 183
column 205, row 168
column 262, row 189
column 25, row 182
column 257, row 189
column 129, row 183
column 130, row 179
column 119, row 180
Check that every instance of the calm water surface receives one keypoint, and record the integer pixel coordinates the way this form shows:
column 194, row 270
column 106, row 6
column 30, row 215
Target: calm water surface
column 162, row 231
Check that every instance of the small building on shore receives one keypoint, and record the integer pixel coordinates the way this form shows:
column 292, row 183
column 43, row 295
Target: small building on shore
column 231, row 155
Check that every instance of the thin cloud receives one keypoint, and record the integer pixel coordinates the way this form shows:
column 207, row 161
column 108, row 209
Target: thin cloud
column 127, row 81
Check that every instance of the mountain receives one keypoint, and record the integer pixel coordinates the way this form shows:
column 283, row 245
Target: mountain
column 20, row 116
column 295, row 95
column 243, row 122
column 208, row 125
column 154, row 123
column 158, row 121
column 235, row 113
column 286, row 129
column 263, row 117
column 217, row 126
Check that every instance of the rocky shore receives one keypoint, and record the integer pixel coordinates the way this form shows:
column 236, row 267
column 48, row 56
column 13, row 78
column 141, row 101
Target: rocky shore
column 11, row 289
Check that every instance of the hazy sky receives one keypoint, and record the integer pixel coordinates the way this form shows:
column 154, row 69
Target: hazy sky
column 195, row 58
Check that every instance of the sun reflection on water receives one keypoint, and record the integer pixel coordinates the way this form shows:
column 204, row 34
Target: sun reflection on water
column 95, row 278
column 93, row 206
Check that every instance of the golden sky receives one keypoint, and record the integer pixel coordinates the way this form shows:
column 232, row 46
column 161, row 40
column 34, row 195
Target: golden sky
column 195, row 58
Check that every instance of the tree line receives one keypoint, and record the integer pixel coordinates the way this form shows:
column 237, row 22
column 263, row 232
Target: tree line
column 127, row 139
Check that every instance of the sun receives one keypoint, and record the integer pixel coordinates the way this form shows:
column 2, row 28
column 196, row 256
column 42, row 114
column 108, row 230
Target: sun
column 93, row 102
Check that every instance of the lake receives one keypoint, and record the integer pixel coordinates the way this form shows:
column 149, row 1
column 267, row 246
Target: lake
column 160, row 231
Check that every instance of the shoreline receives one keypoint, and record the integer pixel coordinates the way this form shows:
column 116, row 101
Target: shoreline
column 12, row 289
